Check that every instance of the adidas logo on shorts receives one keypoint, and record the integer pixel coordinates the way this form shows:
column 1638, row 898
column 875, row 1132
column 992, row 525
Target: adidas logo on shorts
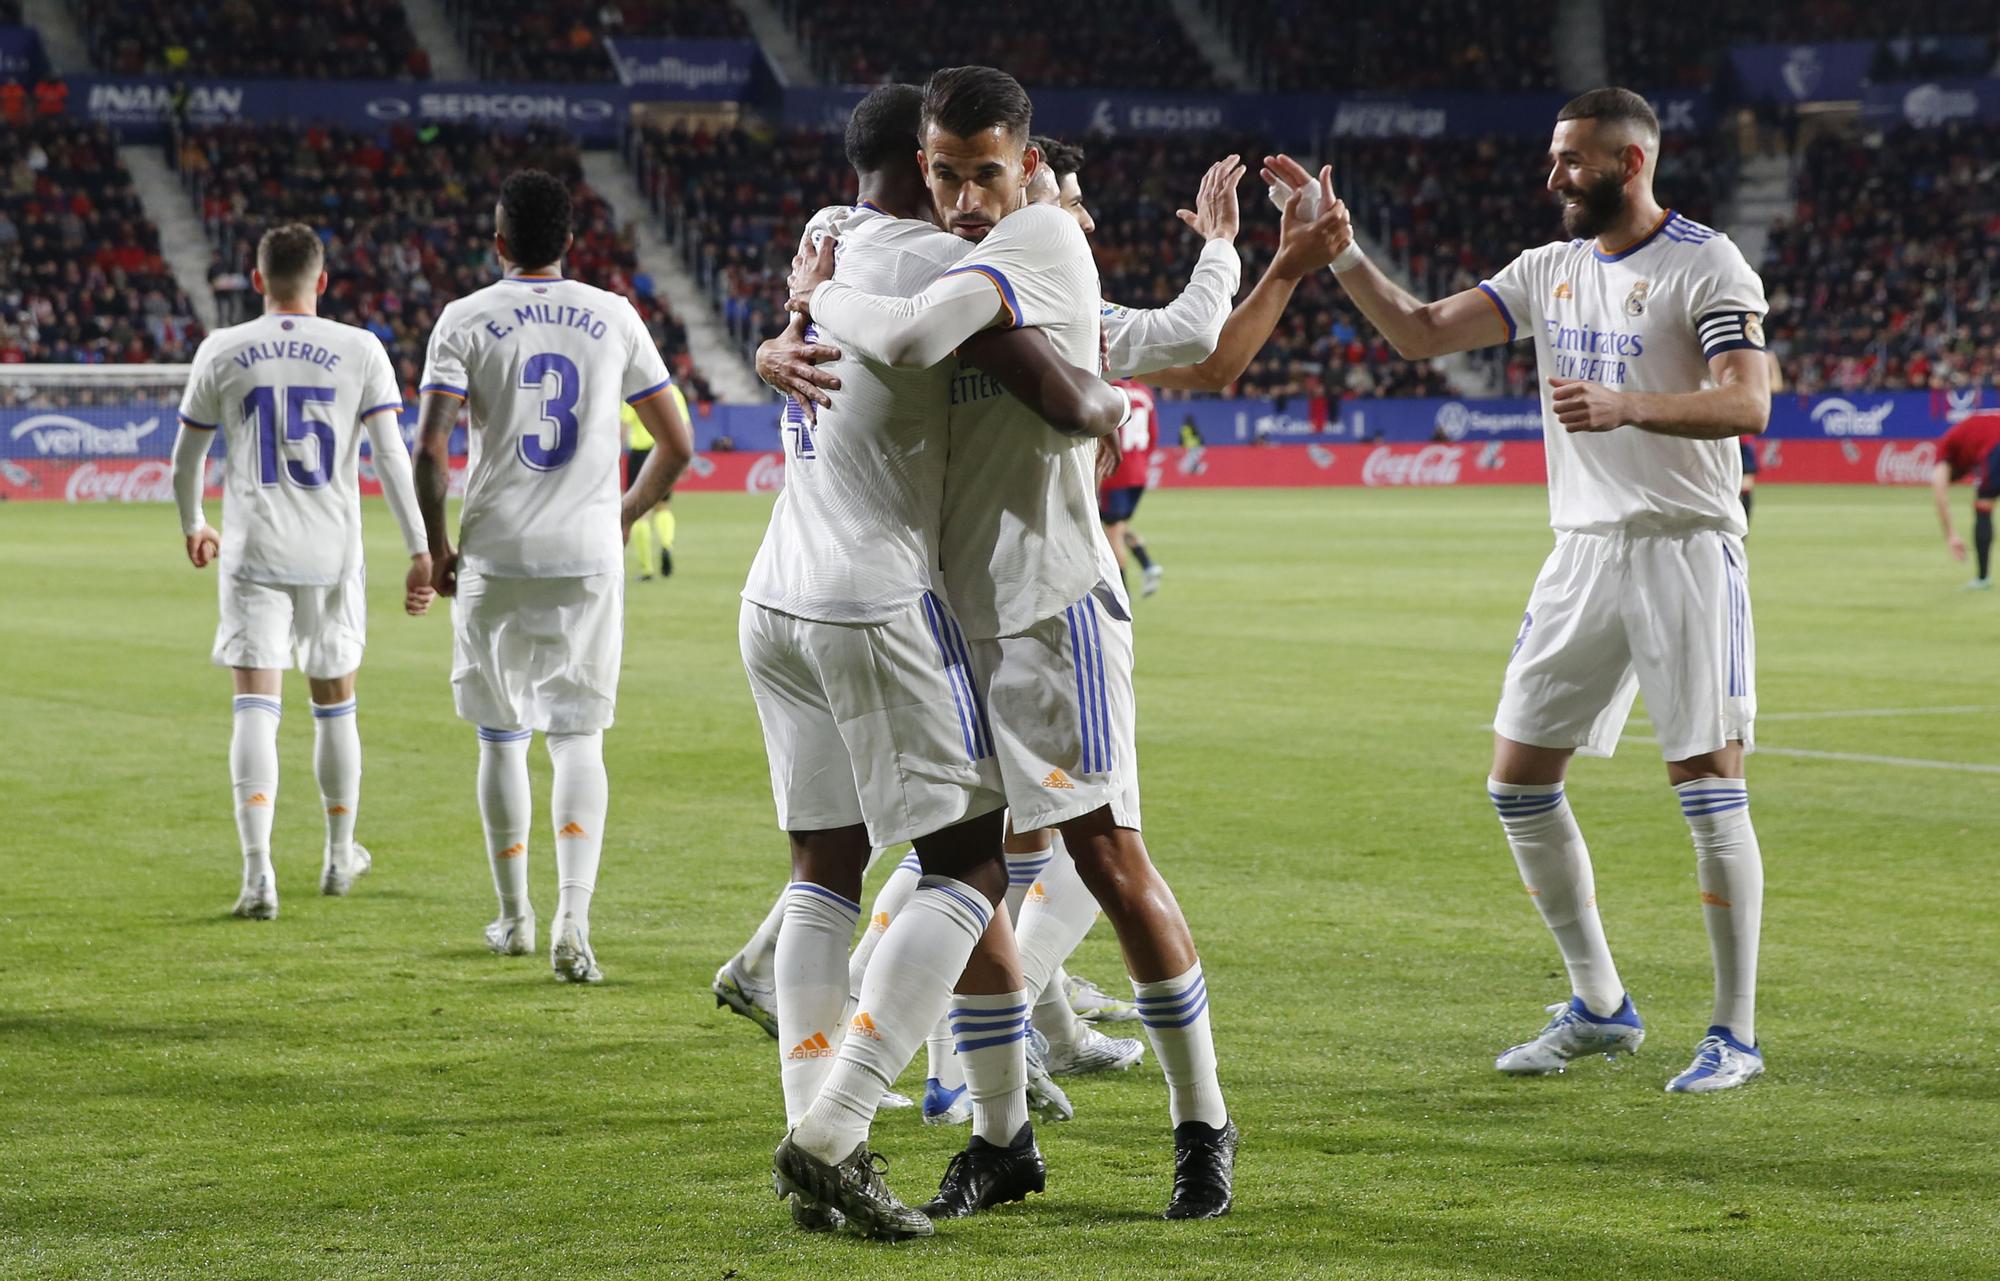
column 1059, row 780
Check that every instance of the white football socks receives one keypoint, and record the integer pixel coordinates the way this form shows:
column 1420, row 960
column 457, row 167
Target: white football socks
column 990, row 1035
column 889, row 900
column 337, row 767
column 758, row 959
column 1555, row 867
column 1022, row 872
column 811, row 987
column 908, row 986
column 253, row 775
column 1730, row 870
column 1057, row 913
column 1175, row 1012
column 505, row 808
column 579, row 797
column 941, row 1061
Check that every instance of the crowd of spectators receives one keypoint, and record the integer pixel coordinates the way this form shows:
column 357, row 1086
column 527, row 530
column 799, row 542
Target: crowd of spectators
column 735, row 201
column 1105, row 44
column 1424, row 44
column 1887, row 276
column 1322, row 348
column 407, row 218
column 1687, row 45
column 81, row 278
column 293, row 40
column 564, row 39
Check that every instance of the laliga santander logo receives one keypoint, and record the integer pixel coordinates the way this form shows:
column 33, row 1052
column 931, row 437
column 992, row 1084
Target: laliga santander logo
column 767, row 475
column 1910, row 466
column 1431, row 465
column 148, row 482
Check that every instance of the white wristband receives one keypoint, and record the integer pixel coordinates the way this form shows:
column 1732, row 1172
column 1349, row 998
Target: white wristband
column 1348, row 259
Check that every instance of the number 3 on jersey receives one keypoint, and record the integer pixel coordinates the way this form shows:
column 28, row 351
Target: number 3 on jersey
column 558, row 410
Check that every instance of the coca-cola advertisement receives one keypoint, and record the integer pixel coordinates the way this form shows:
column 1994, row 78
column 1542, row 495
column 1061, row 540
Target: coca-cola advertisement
column 1832, row 462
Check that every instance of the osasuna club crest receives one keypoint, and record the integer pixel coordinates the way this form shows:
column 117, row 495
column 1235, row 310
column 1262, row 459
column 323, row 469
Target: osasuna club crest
column 1635, row 302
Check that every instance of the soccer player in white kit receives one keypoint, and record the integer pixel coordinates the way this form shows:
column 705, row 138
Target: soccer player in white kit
column 1033, row 583
column 1648, row 332
column 292, row 392
column 541, row 364
column 874, row 725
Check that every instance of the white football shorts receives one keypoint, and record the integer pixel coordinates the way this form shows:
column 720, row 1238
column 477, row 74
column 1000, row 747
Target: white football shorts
column 537, row 653
column 874, row 723
column 320, row 630
column 1064, row 720
column 1615, row 614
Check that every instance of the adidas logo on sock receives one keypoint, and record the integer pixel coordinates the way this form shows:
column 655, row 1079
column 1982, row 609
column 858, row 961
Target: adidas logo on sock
column 1036, row 893
column 512, row 851
column 258, row 798
column 864, row 1026
column 336, row 809
column 1710, row 898
column 880, row 923
column 1058, row 779
column 572, row 830
column 815, row 1046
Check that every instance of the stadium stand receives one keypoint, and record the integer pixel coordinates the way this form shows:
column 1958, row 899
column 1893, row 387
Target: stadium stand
column 1124, row 44
column 1886, row 277
column 83, row 278
column 408, row 221
column 734, row 202
column 564, row 39
column 294, row 40
column 10, row 13
column 1427, row 44
column 1687, row 45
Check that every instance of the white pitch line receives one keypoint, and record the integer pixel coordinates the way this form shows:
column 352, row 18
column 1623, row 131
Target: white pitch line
column 1857, row 713
column 1855, row 758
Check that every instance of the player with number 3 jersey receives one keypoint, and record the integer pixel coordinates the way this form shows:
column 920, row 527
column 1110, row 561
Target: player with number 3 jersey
column 542, row 365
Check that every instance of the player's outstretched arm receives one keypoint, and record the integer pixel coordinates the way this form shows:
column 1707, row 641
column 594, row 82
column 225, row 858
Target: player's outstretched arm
column 190, row 467
column 392, row 468
column 1417, row 330
column 1739, row 404
column 1305, row 244
column 432, row 481
column 903, row 333
column 673, row 449
column 1069, row 399
column 1941, row 494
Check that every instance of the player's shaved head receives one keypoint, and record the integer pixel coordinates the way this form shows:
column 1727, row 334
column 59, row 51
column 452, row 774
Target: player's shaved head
column 533, row 219
column 883, row 129
column 1604, row 151
column 290, row 259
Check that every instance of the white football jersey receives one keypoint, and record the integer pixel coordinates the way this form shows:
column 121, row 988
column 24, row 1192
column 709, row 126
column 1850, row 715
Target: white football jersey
column 1021, row 541
column 542, row 363
column 854, row 535
column 1145, row 340
column 1646, row 319
column 288, row 392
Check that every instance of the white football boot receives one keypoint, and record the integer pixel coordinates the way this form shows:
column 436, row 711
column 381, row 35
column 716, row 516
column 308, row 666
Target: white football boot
column 1573, row 1033
column 512, row 935
column 259, row 899
column 1721, row 1062
column 337, row 873
column 570, row 955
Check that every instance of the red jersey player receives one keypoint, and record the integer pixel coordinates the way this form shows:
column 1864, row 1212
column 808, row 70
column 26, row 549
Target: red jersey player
column 1970, row 448
column 1119, row 493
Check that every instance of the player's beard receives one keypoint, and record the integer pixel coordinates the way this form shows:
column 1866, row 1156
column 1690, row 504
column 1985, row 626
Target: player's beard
column 1598, row 207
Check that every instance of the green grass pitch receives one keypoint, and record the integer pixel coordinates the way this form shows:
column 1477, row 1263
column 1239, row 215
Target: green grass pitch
column 359, row 1089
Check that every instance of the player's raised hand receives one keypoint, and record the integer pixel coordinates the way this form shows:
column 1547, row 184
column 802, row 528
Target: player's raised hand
column 1215, row 214
column 1308, row 243
column 444, row 572
column 790, row 364
column 204, row 544
column 810, row 274
column 1587, row 406
column 1284, row 176
column 417, row 590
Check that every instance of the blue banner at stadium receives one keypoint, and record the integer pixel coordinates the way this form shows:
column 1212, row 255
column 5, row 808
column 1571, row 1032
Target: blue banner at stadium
column 20, row 53
column 144, row 107
column 1928, row 104
column 147, row 431
column 1802, row 72
column 685, row 70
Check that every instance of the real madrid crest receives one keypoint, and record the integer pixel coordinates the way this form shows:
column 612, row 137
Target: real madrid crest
column 1753, row 329
column 1635, row 302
